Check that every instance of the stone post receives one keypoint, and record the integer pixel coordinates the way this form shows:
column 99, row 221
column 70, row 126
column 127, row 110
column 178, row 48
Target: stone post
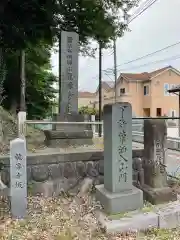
column 155, row 187
column 93, row 126
column 18, row 175
column 64, row 135
column 118, row 194
column 22, row 124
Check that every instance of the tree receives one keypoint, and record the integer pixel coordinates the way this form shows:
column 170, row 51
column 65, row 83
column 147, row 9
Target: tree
column 39, row 82
column 87, row 110
column 39, row 20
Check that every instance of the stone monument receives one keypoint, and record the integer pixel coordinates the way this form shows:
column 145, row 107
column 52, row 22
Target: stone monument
column 155, row 186
column 66, row 134
column 118, row 194
column 18, row 176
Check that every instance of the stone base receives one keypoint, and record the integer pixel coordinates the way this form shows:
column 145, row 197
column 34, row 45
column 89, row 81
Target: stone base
column 55, row 138
column 74, row 117
column 65, row 135
column 158, row 195
column 114, row 203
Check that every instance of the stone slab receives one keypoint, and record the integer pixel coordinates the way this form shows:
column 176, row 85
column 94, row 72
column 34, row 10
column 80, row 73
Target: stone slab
column 140, row 221
column 166, row 216
column 56, row 134
column 169, row 216
column 65, row 143
column 70, row 127
column 124, row 201
column 158, row 195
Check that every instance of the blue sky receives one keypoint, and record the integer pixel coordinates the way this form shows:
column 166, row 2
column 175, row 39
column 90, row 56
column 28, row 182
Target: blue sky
column 156, row 28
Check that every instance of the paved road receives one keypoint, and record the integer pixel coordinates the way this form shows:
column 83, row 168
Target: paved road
column 173, row 160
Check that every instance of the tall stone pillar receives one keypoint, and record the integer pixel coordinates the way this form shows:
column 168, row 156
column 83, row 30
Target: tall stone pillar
column 118, row 194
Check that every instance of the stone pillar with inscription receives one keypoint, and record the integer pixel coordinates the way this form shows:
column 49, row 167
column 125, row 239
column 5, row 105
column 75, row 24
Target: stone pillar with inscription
column 66, row 134
column 118, row 194
column 155, row 186
column 18, row 175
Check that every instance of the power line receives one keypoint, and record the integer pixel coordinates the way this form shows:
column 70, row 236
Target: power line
column 148, row 6
column 137, row 13
column 143, row 10
column 147, row 55
column 140, row 8
column 176, row 57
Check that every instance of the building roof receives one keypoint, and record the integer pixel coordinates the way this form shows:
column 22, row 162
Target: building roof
column 107, row 85
column 145, row 75
column 82, row 94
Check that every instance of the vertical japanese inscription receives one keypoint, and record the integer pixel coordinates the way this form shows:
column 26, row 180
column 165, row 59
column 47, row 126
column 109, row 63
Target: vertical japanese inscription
column 19, row 161
column 69, row 73
column 158, row 152
column 122, row 148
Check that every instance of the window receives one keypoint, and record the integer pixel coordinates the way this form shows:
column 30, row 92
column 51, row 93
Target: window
column 146, row 90
column 122, row 91
column 166, row 88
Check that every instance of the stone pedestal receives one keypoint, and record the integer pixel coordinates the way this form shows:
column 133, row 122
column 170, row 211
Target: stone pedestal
column 125, row 201
column 155, row 186
column 118, row 194
column 64, row 135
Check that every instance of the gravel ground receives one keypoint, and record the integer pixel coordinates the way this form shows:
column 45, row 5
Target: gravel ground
column 63, row 218
column 66, row 218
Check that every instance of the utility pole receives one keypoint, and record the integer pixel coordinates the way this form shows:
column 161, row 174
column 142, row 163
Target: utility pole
column 100, row 88
column 115, row 69
column 23, row 82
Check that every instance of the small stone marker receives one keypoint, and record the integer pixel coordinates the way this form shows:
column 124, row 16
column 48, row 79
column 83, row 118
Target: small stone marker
column 18, row 176
column 118, row 194
column 155, row 187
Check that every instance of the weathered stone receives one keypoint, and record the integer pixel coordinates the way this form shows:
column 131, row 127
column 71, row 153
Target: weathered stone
column 50, row 188
column 40, row 173
column 81, row 169
column 66, row 142
column 55, row 134
column 96, row 166
column 91, row 170
column 29, row 174
column 69, row 170
column 101, row 167
column 155, row 187
column 138, row 169
column 99, row 180
column 56, row 171
column 159, row 195
column 5, row 176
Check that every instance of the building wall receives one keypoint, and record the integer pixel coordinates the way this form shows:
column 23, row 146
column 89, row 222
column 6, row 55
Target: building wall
column 167, row 102
column 134, row 94
column 85, row 101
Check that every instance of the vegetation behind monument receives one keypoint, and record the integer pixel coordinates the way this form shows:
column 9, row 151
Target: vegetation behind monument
column 35, row 26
